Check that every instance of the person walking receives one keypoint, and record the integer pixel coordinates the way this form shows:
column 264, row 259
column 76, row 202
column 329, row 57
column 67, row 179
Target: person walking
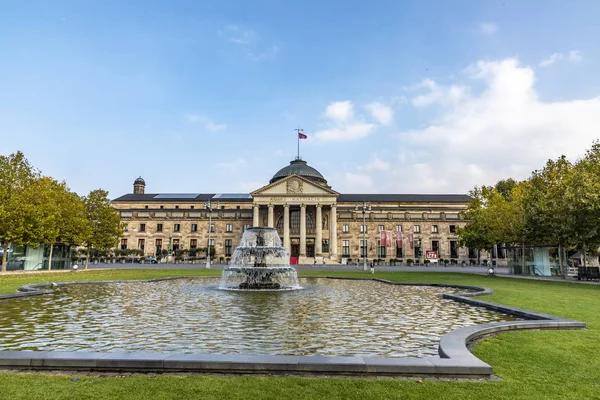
column 372, row 267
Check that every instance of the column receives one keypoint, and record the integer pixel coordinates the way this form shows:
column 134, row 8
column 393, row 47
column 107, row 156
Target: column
column 286, row 229
column 333, row 233
column 255, row 215
column 319, row 236
column 270, row 217
column 302, row 230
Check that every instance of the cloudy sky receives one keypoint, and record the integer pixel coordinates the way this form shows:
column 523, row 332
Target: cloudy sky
column 201, row 96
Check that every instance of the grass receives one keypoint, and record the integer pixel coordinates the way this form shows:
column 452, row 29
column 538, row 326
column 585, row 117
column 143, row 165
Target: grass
column 531, row 365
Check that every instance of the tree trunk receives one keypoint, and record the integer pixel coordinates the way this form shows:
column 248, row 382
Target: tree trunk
column 50, row 258
column 87, row 259
column 5, row 256
column 523, row 258
column 584, row 256
column 478, row 257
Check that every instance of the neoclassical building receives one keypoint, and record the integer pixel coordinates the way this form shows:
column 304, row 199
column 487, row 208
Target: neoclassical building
column 315, row 222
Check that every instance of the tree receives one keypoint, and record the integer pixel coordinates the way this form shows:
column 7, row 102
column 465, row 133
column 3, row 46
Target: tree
column 478, row 233
column 582, row 195
column 67, row 220
column 17, row 212
column 104, row 222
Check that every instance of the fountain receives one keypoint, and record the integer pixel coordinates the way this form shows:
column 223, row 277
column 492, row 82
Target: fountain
column 260, row 263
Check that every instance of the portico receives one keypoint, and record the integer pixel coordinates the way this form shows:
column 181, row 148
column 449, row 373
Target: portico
column 303, row 211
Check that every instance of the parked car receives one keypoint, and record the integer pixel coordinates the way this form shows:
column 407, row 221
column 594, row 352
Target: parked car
column 151, row 259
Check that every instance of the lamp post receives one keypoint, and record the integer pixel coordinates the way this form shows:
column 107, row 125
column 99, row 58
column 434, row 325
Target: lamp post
column 364, row 209
column 208, row 206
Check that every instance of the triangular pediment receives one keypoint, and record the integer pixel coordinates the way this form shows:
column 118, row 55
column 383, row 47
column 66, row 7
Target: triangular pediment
column 294, row 185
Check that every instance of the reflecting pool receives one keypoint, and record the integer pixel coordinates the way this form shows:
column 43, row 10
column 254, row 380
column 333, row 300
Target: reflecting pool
column 327, row 317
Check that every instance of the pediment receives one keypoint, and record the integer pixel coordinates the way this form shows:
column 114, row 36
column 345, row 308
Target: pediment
column 294, row 185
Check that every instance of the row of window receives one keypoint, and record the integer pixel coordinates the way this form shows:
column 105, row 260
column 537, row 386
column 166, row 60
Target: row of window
column 177, row 245
column 416, row 228
column 193, row 228
column 382, row 250
column 219, row 207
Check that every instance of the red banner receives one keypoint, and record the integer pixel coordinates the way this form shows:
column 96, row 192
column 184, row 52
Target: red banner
column 382, row 238
column 410, row 239
column 388, row 238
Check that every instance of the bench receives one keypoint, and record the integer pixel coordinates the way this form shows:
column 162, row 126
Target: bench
column 588, row 273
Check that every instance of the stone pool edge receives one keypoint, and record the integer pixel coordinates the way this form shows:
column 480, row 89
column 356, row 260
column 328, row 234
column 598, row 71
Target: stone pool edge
column 456, row 360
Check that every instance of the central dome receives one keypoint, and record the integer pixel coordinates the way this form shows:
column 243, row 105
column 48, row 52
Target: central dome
column 299, row 167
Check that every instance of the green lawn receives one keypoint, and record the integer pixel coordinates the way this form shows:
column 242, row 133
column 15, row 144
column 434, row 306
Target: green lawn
column 531, row 365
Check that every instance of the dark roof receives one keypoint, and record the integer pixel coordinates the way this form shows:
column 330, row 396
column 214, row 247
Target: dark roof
column 139, row 181
column 405, row 198
column 186, row 197
column 298, row 167
column 342, row 198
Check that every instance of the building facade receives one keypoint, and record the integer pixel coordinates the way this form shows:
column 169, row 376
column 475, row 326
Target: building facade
column 316, row 223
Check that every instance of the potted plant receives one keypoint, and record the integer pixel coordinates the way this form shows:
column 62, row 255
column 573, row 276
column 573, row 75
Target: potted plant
column 221, row 260
column 409, row 261
column 463, row 263
column 484, row 262
column 471, row 261
column 427, row 262
column 453, row 261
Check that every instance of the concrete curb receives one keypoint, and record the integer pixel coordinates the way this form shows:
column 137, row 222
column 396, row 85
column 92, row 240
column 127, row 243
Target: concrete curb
column 455, row 358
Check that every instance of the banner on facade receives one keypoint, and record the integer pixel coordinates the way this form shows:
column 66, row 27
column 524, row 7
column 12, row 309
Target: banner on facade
column 411, row 241
column 431, row 254
column 388, row 238
column 382, row 239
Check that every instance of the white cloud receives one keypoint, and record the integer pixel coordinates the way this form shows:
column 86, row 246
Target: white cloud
column 249, row 41
column 207, row 123
column 346, row 133
column 340, row 111
column 488, row 28
column 503, row 130
column 573, row 56
column 340, row 124
column 238, row 35
column 358, row 181
column 381, row 113
column 233, row 166
column 376, row 164
column 438, row 93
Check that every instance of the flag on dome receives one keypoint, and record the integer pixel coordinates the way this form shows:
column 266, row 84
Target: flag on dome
column 302, row 136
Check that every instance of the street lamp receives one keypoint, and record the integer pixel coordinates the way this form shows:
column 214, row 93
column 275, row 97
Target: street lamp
column 208, row 206
column 364, row 209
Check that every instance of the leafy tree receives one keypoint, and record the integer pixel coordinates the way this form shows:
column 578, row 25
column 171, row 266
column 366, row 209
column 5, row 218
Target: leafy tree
column 17, row 218
column 505, row 187
column 104, row 222
column 478, row 234
column 66, row 222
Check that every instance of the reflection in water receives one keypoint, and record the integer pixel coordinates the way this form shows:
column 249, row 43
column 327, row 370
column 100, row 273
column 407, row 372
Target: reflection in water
column 328, row 317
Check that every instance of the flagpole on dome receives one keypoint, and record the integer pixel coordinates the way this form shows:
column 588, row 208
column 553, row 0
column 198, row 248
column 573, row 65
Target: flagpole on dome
column 300, row 136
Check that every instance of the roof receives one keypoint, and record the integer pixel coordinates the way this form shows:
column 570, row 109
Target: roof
column 405, row 198
column 139, row 181
column 342, row 198
column 298, row 167
column 186, row 197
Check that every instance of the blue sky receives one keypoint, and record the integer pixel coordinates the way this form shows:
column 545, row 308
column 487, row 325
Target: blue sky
column 395, row 96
